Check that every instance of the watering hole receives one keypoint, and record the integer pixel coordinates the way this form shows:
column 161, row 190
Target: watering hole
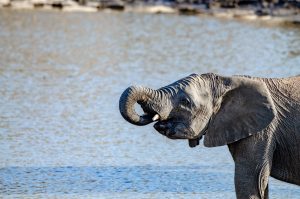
column 61, row 76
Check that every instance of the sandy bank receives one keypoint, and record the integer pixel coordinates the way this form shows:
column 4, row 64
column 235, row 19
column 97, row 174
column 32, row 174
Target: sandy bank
column 280, row 15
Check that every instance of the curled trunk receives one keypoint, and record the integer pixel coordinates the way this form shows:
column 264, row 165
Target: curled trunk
column 132, row 95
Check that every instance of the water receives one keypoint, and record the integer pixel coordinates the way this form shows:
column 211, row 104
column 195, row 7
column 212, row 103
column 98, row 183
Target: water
column 61, row 75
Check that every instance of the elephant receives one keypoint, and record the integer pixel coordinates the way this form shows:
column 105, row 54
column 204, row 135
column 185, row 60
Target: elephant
column 257, row 118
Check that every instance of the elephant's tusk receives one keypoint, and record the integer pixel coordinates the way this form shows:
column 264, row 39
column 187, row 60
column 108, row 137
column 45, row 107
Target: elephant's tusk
column 155, row 117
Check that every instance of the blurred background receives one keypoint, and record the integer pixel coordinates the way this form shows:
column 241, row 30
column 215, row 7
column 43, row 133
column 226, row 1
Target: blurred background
column 61, row 76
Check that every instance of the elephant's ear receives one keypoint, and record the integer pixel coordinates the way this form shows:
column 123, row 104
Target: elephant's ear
column 244, row 110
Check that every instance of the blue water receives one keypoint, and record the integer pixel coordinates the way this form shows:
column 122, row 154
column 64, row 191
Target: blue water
column 146, row 180
column 61, row 76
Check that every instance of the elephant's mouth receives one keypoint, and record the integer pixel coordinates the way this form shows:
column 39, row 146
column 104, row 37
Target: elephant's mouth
column 174, row 130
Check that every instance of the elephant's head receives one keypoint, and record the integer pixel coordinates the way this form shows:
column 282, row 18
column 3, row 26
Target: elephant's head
column 224, row 109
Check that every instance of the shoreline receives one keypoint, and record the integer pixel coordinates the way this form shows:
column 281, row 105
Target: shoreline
column 246, row 13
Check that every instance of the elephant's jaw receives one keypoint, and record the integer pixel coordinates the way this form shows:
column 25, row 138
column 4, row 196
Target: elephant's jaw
column 195, row 142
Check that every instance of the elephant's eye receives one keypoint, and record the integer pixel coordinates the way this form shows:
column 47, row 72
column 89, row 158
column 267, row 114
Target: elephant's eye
column 185, row 102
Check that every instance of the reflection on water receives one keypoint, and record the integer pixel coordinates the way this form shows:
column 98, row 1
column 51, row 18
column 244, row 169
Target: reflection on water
column 61, row 75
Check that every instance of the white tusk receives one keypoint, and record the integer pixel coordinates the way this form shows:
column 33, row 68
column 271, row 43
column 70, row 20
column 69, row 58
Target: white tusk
column 155, row 117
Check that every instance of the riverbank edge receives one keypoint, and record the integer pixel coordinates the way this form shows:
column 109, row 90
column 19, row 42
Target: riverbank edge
column 280, row 16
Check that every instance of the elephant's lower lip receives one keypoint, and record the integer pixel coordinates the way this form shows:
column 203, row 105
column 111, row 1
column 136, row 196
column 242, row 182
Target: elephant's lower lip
column 174, row 137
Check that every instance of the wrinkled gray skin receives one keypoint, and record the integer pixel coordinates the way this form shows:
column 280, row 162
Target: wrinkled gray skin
column 258, row 118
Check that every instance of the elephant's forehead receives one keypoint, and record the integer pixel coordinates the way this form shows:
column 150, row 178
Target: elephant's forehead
column 195, row 93
column 192, row 91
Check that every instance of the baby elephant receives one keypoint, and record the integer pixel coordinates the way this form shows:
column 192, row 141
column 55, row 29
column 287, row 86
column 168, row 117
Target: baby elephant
column 258, row 118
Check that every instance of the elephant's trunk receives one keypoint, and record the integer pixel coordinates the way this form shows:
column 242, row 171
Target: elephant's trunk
column 132, row 95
